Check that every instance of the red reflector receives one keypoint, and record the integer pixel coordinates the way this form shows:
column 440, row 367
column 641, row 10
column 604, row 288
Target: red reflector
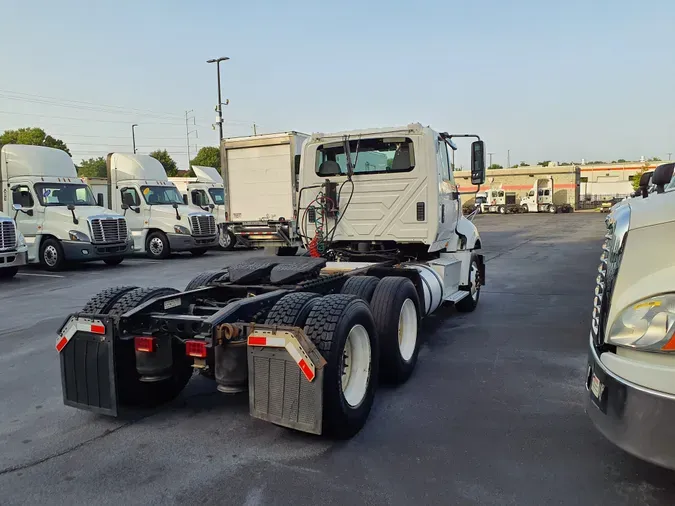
column 61, row 344
column 97, row 329
column 145, row 344
column 257, row 341
column 195, row 349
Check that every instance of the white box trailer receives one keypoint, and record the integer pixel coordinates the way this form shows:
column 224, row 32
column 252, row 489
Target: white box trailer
column 260, row 174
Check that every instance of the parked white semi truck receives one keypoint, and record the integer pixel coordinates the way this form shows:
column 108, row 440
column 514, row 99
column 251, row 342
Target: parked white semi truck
column 541, row 199
column 13, row 249
column 310, row 338
column 631, row 370
column 159, row 221
column 206, row 191
column 261, row 183
column 499, row 201
column 59, row 217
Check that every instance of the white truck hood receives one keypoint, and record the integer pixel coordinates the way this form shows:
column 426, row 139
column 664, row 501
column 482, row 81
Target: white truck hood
column 81, row 212
column 656, row 209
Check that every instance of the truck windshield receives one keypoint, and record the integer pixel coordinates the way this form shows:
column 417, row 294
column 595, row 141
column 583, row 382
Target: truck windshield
column 375, row 156
column 63, row 194
column 157, row 195
column 217, row 195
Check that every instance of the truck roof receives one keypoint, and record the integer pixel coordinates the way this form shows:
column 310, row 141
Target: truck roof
column 395, row 130
column 136, row 167
column 264, row 139
column 23, row 160
column 207, row 174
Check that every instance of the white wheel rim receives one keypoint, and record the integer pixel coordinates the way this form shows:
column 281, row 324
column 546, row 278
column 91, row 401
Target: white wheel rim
column 225, row 239
column 51, row 256
column 475, row 281
column 156, row 246
column 356, row 366
column 407, row 330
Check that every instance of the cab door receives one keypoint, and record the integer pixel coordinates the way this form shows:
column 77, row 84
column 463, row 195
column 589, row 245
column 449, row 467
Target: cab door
column 448, row 197
column 29, row 219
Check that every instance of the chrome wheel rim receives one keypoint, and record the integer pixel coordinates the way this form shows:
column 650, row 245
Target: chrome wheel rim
column 156, row 246
column 51, row 256
column 407, row 330
column 355, row 366
column 474, row 280
column 225, row 239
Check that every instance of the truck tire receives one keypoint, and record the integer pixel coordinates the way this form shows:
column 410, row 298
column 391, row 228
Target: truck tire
column 396, row 310
column 501, row 210
column 227, row 240
column 343, row 330
column 8, row 272
column 103, row 301
column 198, row 252
column 131, row 390
column 361, row 286
column 292, row 309
column 204, row 279
column 468, row 304
column 113, row 260
column 552, row 209
column 51, row 255
column 287, row 251
column 157, row 245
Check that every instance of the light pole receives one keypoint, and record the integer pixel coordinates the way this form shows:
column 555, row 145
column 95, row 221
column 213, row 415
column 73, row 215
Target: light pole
column 220, row 102
column 133, row 136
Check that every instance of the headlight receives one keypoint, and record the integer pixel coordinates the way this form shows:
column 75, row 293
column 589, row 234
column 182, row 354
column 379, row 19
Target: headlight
column 646, row 325
column 181, row 230
column 20, row 239
column 76, row 235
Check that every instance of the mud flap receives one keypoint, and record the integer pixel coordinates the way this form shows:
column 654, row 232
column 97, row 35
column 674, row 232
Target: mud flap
column 283, row 389
column 86, row 352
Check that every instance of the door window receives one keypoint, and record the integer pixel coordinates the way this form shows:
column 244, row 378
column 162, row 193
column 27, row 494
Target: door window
column 130, row 197
column 22, row 195
column 443, row 161
column 199, row 198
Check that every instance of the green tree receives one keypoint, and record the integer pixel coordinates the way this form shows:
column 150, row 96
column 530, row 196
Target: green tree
column 621, row 160
column 636, row 178
column 33, row 137
column 207, row 156
column 163, row 157
column 655, row 159
column 94, row 167
column 495, row 166
column 544, row 163
column 522, row 164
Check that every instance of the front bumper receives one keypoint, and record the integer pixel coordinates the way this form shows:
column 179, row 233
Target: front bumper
column 15, row 258
column 84, row 251
column 634, row 418
column 181, row 242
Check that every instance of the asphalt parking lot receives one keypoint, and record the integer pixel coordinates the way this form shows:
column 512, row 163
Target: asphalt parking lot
column 492, row 415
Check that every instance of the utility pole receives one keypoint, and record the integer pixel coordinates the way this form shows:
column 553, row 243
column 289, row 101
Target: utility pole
column 219, row 108
column 508, row 158
column 188, row 132
column 669, row 155
column 133, row 137
column 255, row 130
column 490, row 155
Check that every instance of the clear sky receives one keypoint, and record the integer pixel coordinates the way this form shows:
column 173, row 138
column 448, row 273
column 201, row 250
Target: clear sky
column 546, row 80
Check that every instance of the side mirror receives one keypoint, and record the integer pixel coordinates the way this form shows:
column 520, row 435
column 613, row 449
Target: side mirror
column 99, row 200
column 477, row 162
column 185, row 199
column 645, row 180
column 174, row 205
column 124, row 207
column 17, row 207
column 662, row 176
column 212, row 207
column 70, row 207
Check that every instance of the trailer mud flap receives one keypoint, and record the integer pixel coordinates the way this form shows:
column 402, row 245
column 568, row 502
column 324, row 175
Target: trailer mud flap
column 85, row 347
column 285, row 380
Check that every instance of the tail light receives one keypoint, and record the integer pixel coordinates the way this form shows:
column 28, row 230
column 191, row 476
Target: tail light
column 145, row 344
column 195, row 349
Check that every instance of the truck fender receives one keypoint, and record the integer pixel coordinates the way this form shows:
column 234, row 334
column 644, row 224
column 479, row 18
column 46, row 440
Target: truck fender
column 468, row 230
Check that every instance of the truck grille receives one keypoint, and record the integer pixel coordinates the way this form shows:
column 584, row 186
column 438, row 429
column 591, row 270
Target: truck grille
column 7, row 235
column 610, row 260
column 203, row 224
column 108, row 230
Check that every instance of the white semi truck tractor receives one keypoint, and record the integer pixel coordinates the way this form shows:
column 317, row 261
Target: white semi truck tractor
column 13, row 249
column 541, row 199
column 310, row 338
column 631, row 369
column 159, row 220
column 58, row 214
column 206, row 191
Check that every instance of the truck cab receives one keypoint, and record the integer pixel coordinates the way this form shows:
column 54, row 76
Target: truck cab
column 58, row 215
column 631, row 369
column 159, row 220
column 13, row 249
column 206, row 191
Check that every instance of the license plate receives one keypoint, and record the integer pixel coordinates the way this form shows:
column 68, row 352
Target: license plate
column 596, row 387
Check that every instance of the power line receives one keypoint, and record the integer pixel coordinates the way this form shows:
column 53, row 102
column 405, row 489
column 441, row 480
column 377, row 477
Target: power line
column 125, row 122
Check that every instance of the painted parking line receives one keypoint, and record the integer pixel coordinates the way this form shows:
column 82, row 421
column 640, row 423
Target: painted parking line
column 39, row 275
